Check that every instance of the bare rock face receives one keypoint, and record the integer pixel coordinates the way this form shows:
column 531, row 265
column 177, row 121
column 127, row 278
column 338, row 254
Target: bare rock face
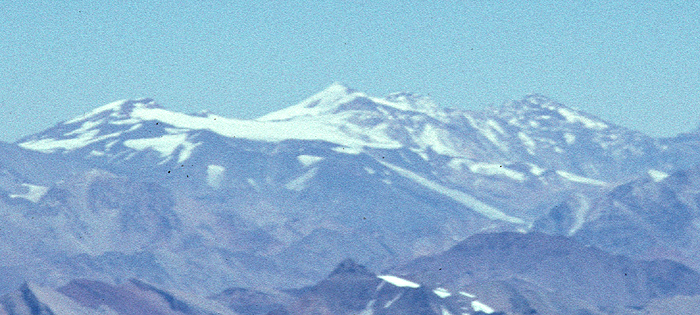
column 650, row 217
column 534, row 271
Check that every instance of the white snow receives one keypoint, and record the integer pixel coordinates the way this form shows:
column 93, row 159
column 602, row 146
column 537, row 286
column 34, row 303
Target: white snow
column 442, row 292
column 186, row 151
column 493, row 139
column 85, row 127
column 436, row 139
column 657, row 175
column 456, row 195
column 420, row 152
column 33, row 194
column 581, row 179
column 316, row 104
column 399, row 282
column 467, row 294
column 347, row 150
column 573, row 117
column 369, row 170
column 165, row 144
column 307, row 160
column 388, row 303
column 493, row 124
column 444, row 311
column 422, row 104
column 215, row 175
column 96, row 153
column 49, row 145
column 581, row 211
column 113, row 106
column 569, row 138
column 478, row 306
column 527, row 141
column 457, row 163
column 299, row 183
column 496, row 169
column 270, row 131
column 536, row 170
column 128, row 121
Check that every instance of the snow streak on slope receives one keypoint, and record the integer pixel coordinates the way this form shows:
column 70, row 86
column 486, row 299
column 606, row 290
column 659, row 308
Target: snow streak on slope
column 33, row 194
column 399, row 282
column 456, row 195
column 581, row 179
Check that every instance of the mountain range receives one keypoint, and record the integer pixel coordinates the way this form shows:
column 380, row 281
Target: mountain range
column 531, row 205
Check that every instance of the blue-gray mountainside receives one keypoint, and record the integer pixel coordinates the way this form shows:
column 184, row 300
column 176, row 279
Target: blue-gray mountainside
column 349, row 204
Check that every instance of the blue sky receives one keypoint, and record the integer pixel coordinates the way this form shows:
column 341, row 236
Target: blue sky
column 635, row 64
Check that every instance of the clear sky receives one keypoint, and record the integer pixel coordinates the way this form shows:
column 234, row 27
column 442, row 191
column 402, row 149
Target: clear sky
column 635, row 63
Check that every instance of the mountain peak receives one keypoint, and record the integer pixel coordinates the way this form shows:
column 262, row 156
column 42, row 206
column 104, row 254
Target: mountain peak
column 350, row 267
column 338, row 98
column 119, row 109
column 318, row 103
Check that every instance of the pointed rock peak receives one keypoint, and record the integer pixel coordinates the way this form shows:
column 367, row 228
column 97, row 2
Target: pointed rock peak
column 533, row 101
column 350, row 267
column 537, row 99
column 412, row 102
column 337, row 88
column 321, row 102
column 118, row 109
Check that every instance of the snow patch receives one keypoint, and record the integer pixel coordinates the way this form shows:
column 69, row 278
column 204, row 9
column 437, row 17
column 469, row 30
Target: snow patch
column 165, row 144
column 85, row 127
column 457, row 163
column 581, row 179
column 369, row 170
column 49, row 145
column 581, row 211
column 96, row 153
column 435, row 139
column 299, row 183
column 467, row 294
column 569, row 138
column 481, row 307
column 396, row 298
column 215, row 175
column 536, row 170
column 527, row 141
column 399, row 282
column 347, row 150
column 113, row 106
column 574, row 117
column 307, row 160
column 496, row 169
column 33, row 194
column 442, row 293
column 444, row 311
column 493, row 124
column 657, row 175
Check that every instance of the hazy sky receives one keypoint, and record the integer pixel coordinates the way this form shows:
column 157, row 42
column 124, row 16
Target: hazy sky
column 635, row 63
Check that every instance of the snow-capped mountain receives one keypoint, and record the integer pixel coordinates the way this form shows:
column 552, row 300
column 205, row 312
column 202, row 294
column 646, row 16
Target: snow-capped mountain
column 650, row 217
column 526, row 147
column 133, row 190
